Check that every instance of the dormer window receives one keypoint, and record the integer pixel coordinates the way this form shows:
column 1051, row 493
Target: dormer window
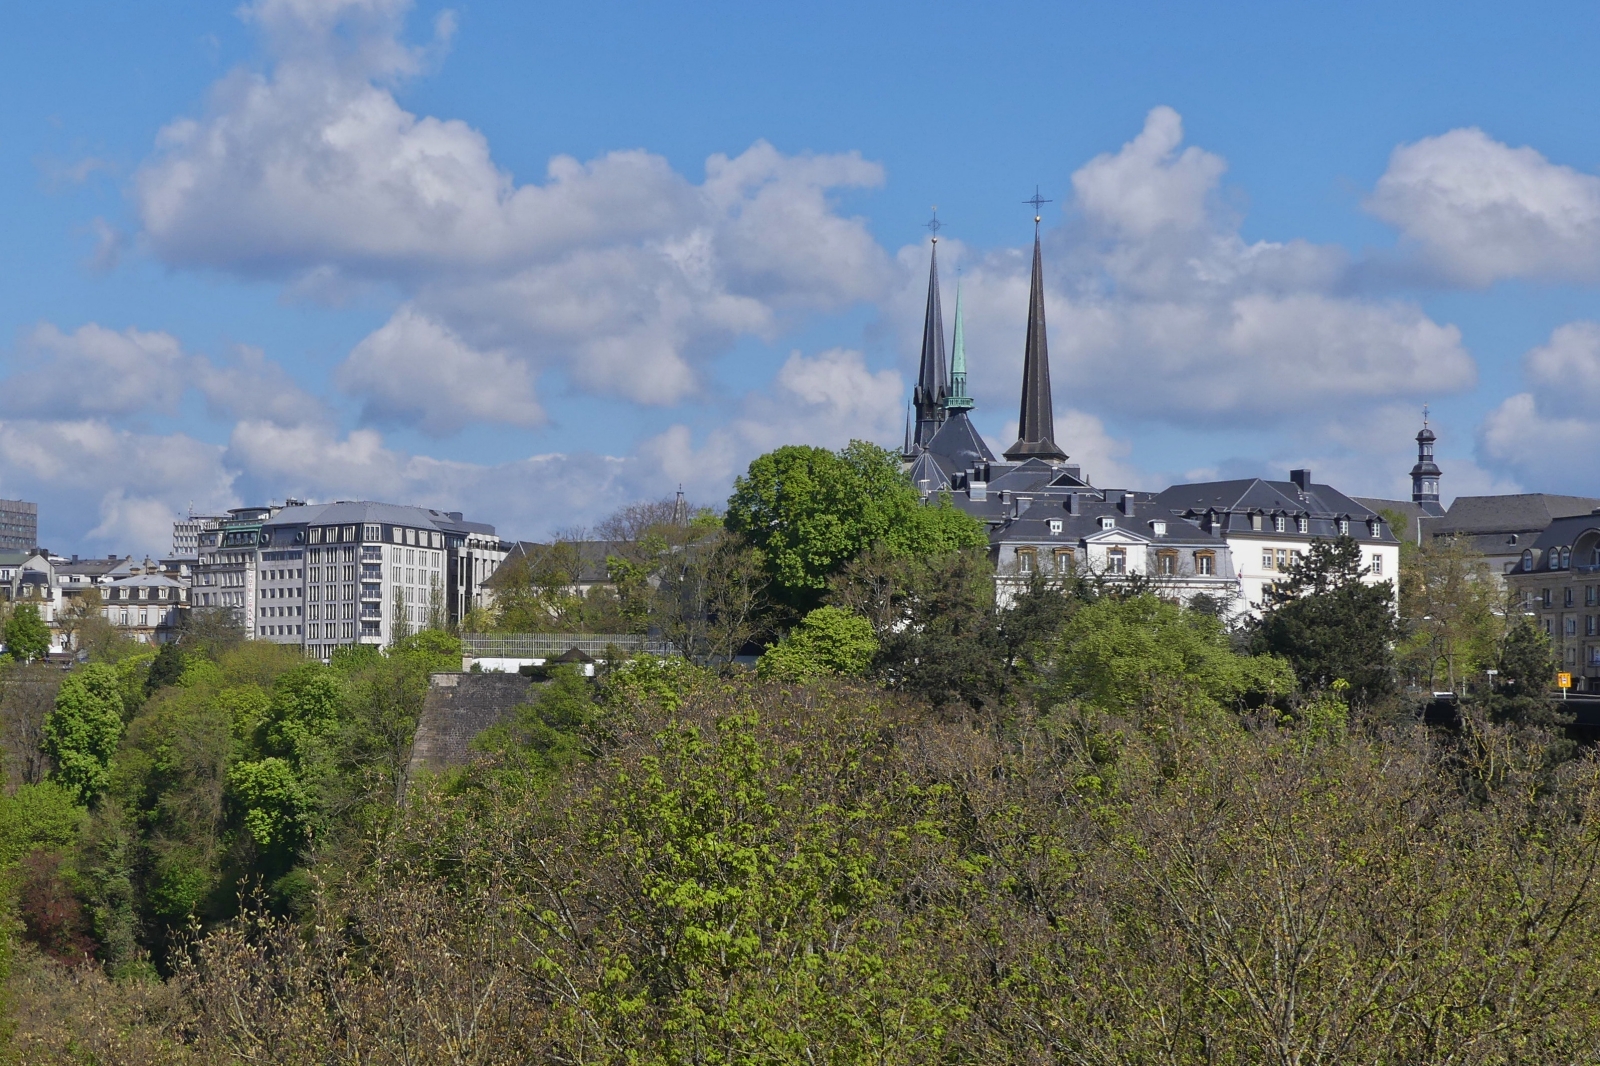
column 1107, row 522
column 1344, row 527
column 1373, row 525
column 1055, row 526
column 1527, row 559
column 1255, row 522
column 1279, row 524
column 1159, row 528
column 1302, row 524
column 1566, row 558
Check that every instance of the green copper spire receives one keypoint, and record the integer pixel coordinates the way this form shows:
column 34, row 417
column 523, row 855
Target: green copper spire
column 958, row 399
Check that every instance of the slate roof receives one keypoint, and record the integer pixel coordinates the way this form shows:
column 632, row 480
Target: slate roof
column 959, row 442
column 1033, row 525
column 1517, row 513
column 1562, row 533
column 592, row 555
column 1322, row 505
column 1410, row 508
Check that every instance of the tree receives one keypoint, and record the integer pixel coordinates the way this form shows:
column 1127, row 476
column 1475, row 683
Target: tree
column 166, row 669
column 1525, row 669
column 809, row 511
column 828, row 641
column 81, row 734
column 1447, row 607
column 1332, row 625
column 1149, row 659
column 84, row 610
column 711, row 596
column 26, row 636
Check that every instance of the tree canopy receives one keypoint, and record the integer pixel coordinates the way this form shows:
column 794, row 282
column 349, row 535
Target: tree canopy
column 809, row 511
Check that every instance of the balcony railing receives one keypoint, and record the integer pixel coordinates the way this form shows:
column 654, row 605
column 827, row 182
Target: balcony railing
column 548, row 645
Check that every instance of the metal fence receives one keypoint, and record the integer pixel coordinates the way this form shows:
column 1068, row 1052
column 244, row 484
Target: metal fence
column 549, row 645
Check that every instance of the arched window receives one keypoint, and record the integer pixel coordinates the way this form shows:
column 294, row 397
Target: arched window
column 1527, row 559
column 1566, row 558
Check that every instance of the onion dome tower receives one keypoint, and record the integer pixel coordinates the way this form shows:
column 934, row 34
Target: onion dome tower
column 1426, row 473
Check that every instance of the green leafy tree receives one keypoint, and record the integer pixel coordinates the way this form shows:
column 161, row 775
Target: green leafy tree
column 543, row 737
column 1149, row 659
column 1331, row 624
column 1448, row 601
column 809, row 511
column 26, row 635
column 82, row 732
column 828, row 641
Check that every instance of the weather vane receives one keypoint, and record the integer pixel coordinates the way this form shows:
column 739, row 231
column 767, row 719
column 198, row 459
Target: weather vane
column 933, row 225
column 1036, row 202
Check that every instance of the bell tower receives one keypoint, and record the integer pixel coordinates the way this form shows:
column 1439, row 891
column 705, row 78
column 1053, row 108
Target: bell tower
column 1425, row 474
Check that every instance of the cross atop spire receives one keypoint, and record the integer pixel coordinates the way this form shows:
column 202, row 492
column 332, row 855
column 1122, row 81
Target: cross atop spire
column 1424, row 416
column 933, row 225
column 1037, row 202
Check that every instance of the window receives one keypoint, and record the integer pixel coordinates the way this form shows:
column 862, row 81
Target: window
column 1588, row 595
column 1063, row 560
column 1566, row 558
column 1344, row 527
column 1588, row 625
column 371, row 533
column 1527, row 560
column 1279, row 523
column 1166, row 563
column 1159, row 528
column 1055, row 526
column 1302, row 524
column 1205, row 563
column 1107, row 522
column 1546, row 626
column 1373, row 525
column 1572, row 655
column 316, row 536
column 1572, row 625
column 398, row 537
column 1025, row 560
column 1377, row 565
column 1544, row 598
column 1116, row 561
column 1255, row 522
column 411, row 536
column 1266, row 558
column 1566, row 596
column 1283, row 558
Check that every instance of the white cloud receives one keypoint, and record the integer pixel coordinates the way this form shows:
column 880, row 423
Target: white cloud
column 113, row 483
column 1549, row 434
column 92, row 371
column 1159, row 310
column 416, row 370
column 825, row 400
column 619, row 271
column 249, row 385
column 1477, row 211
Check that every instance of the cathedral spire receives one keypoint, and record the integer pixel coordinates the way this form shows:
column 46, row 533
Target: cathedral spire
column 1425, row 475
column 1036, row 426
column 932, row 385
column 958, row 399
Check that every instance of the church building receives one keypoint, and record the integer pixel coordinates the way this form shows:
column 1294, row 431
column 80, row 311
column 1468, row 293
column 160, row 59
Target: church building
column 1044, row 515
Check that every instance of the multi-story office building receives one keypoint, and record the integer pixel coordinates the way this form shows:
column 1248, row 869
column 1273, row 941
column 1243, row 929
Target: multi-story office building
column 225, row 567
column 323, row 576
column 19, row 525
column 186, row 533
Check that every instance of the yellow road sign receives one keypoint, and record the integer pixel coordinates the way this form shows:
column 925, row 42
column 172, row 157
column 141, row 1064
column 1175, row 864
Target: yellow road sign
column 1563, row 680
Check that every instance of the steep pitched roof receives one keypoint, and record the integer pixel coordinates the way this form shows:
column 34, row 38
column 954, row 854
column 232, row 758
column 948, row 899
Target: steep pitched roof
column 959, row 441
column 1515, row 513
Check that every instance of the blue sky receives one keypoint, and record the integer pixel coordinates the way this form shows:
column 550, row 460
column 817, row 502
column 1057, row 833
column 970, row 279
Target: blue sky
column 537, row 261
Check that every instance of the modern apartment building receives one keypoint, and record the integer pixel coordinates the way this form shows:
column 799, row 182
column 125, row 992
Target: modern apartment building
column 19, row 526
column 322, row 576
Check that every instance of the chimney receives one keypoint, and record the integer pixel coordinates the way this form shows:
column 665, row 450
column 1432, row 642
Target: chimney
column 1073, row 506
column 1127, row 504
column 1302, row 479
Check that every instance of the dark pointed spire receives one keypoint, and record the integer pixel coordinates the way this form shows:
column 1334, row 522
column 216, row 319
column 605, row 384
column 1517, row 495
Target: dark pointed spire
column 932, row 384
column 909, row 452
column 1036, row 424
